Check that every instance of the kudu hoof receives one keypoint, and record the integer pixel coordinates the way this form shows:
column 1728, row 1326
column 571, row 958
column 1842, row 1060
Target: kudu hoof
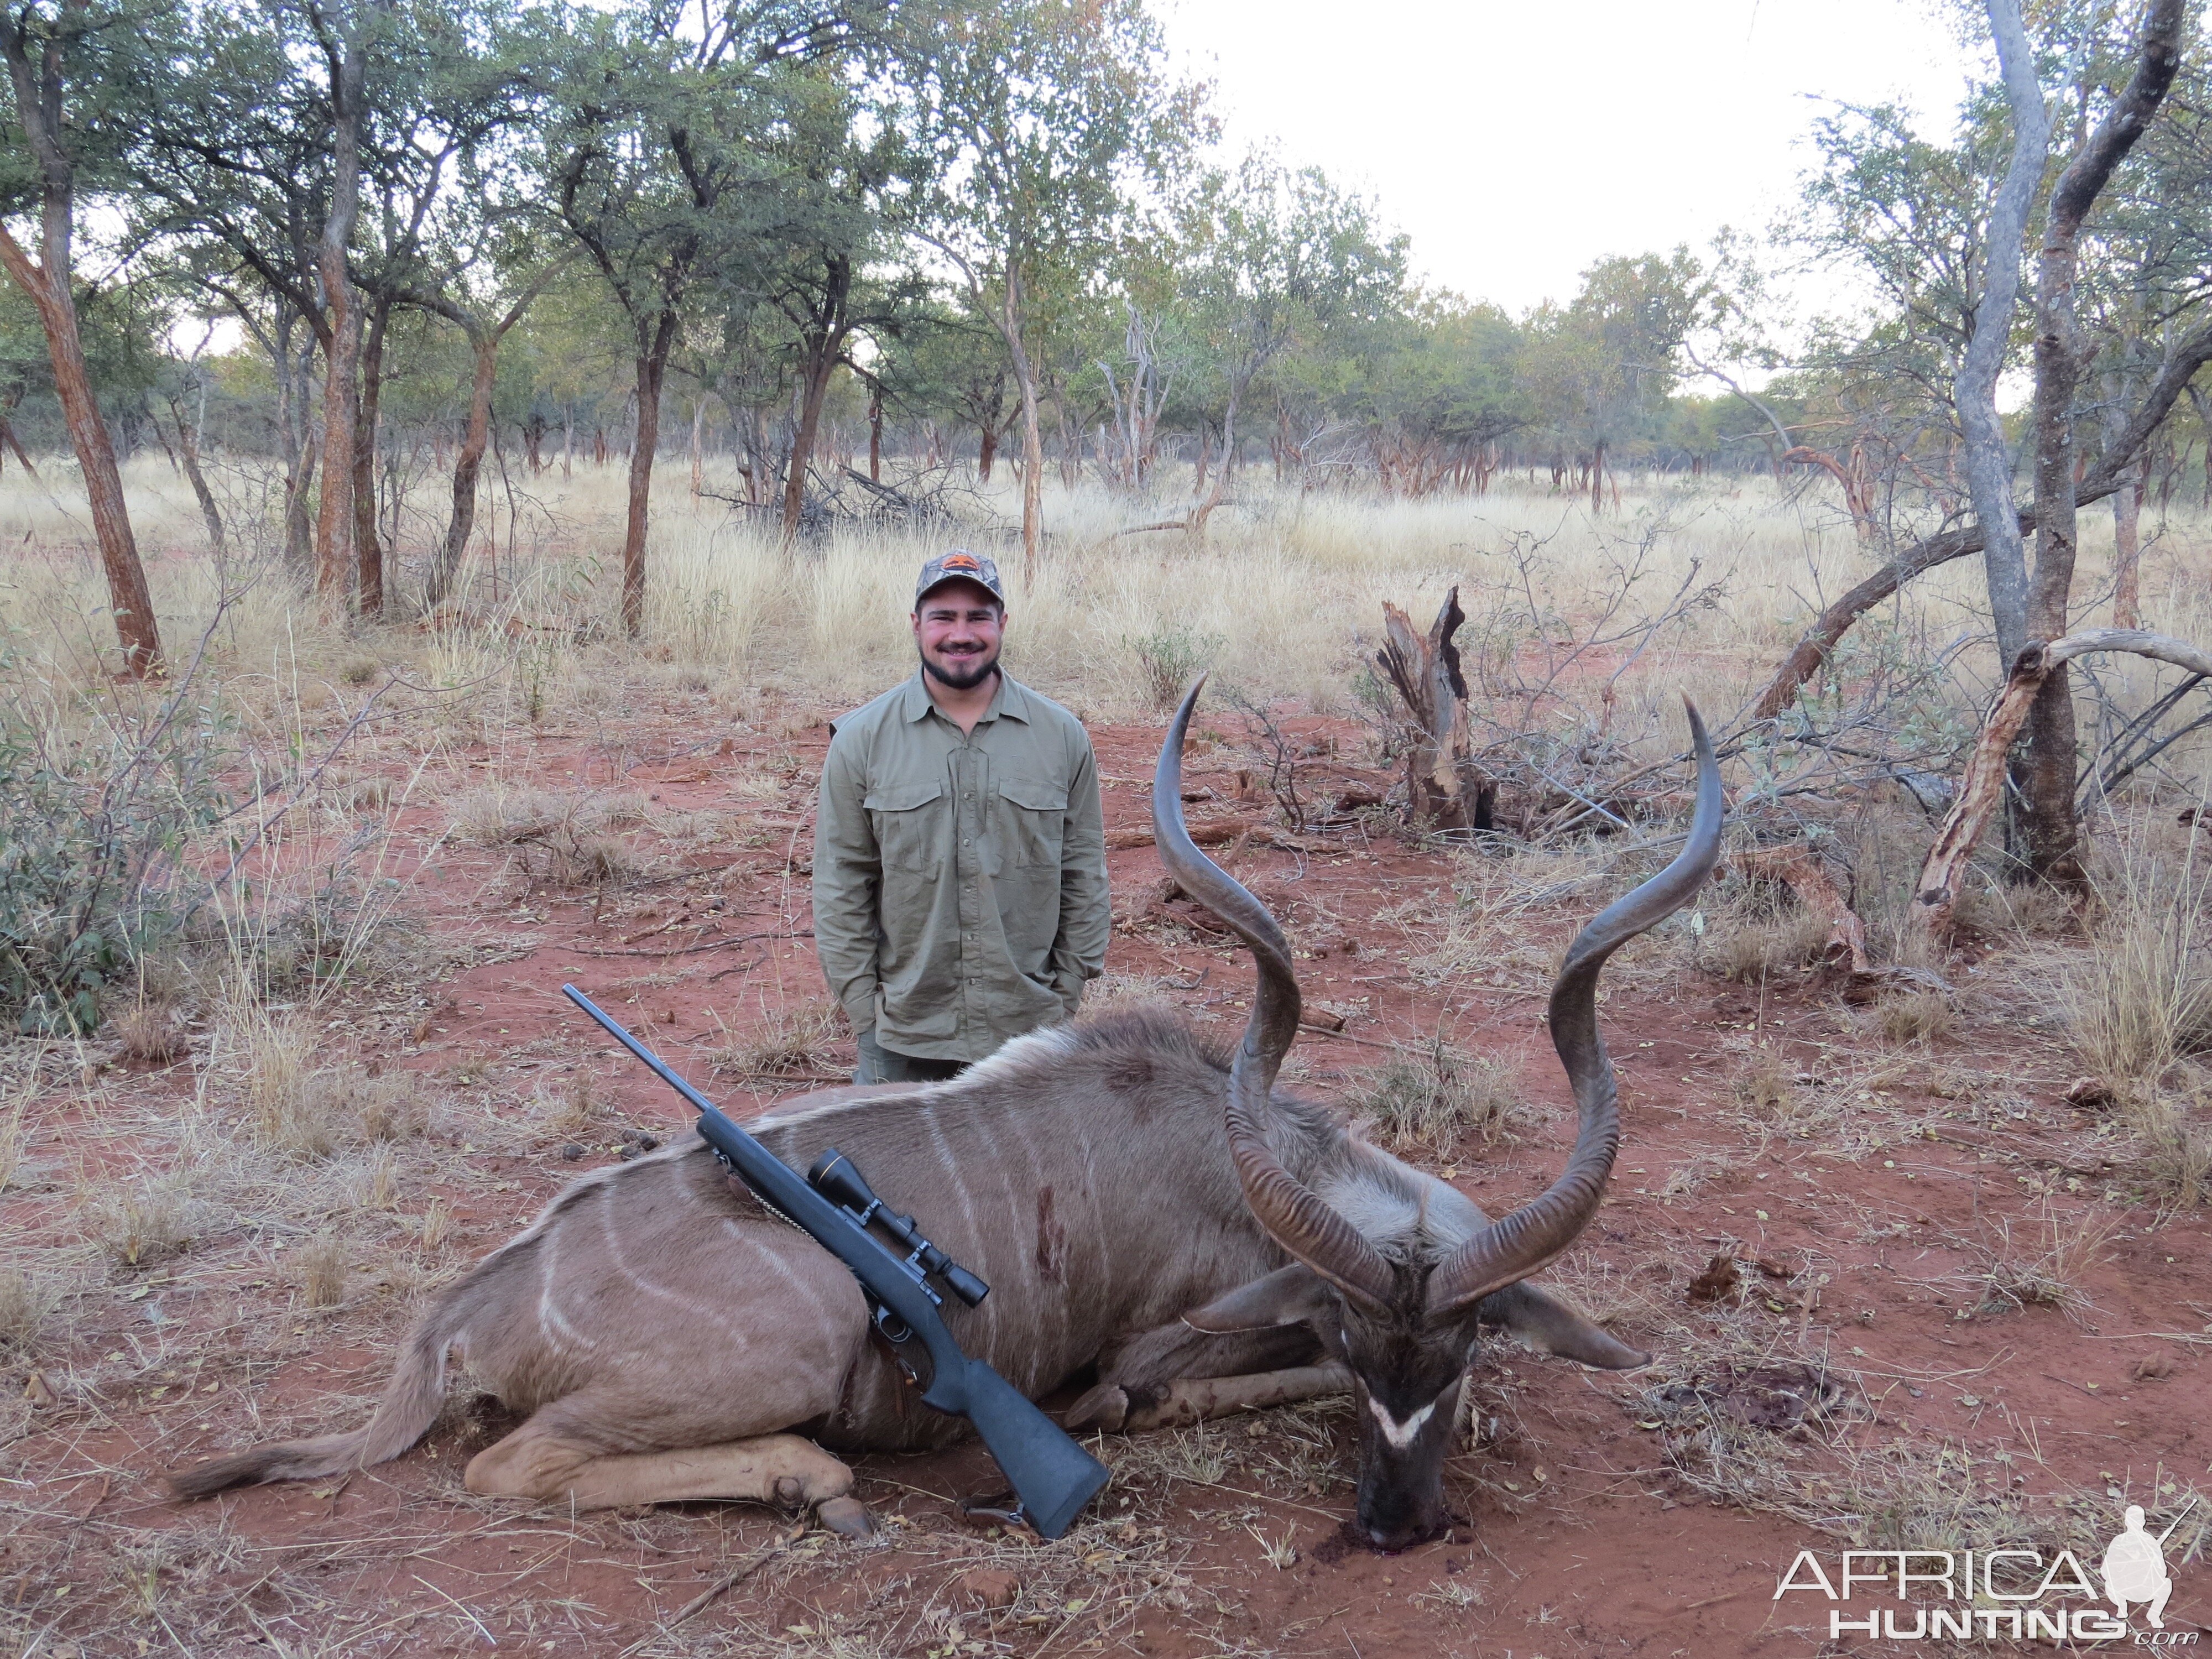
column 1105, row 1407
column 847, row 1517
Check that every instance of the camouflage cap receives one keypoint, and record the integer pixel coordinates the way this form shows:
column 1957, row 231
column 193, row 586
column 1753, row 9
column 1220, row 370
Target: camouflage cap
column 960, row 565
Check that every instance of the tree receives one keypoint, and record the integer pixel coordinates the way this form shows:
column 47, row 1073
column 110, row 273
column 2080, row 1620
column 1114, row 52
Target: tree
column 68, row 67
column 849, row 171
column 659, row 159
column 1270, row 256
column 485, row 330
column 1039, row 113
column 1601, row 369
column 2062, row 352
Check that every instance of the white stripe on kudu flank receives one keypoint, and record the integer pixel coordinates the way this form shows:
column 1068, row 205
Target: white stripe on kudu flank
column 704, row 1307
column 550, row 1319
column 978, row 1266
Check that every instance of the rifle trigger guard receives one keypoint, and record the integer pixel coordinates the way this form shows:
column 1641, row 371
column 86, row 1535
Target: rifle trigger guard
column 900, row 1335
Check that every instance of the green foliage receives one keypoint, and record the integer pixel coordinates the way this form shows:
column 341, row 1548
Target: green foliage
column 1168, row 656
column 96, row 819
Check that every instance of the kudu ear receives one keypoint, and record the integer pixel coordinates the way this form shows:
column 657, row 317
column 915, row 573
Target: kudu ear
column 1288, row 1296
column 1548, row 1321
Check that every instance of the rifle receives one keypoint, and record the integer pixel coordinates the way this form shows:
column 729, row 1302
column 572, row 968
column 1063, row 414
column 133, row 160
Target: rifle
column 1052, row 1478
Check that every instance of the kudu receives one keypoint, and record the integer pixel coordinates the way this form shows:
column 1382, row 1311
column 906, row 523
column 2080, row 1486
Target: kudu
column 669, row 1338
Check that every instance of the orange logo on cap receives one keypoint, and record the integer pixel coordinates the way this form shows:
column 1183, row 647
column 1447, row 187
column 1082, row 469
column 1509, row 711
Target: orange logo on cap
column 962, row 562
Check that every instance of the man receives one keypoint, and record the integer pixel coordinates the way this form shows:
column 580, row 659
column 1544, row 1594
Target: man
column 959, row 847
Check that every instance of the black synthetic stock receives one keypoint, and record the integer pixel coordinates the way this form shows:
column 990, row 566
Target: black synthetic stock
column 1052, row 1475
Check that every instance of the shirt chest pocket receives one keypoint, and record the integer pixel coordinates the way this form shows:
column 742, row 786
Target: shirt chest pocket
column 908, row 819
column 1032, row 816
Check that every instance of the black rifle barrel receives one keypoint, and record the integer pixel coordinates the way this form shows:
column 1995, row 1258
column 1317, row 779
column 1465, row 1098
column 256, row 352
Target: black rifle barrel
column 1052, row 1476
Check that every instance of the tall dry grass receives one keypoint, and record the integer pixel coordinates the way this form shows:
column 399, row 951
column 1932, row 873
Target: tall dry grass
column 2139, row 1000
column 1290, row 586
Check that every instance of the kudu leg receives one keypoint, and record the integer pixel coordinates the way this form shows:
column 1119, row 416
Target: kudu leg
column 787, row 1469
column 1194, row 1399
column 1176, row 1375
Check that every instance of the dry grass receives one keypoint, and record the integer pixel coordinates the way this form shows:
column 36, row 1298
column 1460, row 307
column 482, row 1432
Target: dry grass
column 797, row 1042
column 1767, row 1084
column 2141, row 998
column 146, row 1222
column 1429, row 1098
column 26, row 1303
column 436, row 1225
column 1915, row 1016
column 146, row 1034
column 1750, row 950
column 2044, row 1270
column 2173, row 1141
column 322, row 1264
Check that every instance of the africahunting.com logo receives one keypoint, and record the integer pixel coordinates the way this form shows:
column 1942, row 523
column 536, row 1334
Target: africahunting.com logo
column 1994, row 1595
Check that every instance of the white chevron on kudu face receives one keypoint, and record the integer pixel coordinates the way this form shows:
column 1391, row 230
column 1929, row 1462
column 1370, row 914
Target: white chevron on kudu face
column 1401, row 1435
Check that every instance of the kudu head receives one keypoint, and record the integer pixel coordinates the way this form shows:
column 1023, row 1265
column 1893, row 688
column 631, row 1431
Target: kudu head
column 1402, row 1309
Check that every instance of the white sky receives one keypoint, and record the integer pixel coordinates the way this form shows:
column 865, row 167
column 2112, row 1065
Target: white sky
column 1517, row 144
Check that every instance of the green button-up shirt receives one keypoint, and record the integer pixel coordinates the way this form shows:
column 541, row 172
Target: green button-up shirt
column 959, row 880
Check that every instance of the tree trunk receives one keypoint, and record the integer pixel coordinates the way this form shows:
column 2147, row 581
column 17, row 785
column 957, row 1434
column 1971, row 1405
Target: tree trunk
column 1204, row 509
column 658, row 338
column 1988, row 458
column 1445, row 790
column 2060, row 356
column 1596, row 480
column 128, row 596
column 1928, row 923
column 14, row 446
column 822, row 362
column 2127, row 556
column 47, row 285
column 335, row 563
column 698, row 456
column 368, row 545
column 188, row 450
column 568, row 439
column 987, row 452
column 438, row 582
column 875, row 434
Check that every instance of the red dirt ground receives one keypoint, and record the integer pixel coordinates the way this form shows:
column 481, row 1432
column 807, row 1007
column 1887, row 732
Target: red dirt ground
column 1582, row 1536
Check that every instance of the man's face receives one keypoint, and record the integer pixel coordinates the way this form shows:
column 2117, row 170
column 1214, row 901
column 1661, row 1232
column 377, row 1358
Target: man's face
column 958, row 628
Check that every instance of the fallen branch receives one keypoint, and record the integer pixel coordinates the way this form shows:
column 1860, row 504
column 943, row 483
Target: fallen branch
column 1799, row 868
column 1828, row 628
column 1934, row 900
column 1205, row 835
column 728, row 1581
column 689, row 949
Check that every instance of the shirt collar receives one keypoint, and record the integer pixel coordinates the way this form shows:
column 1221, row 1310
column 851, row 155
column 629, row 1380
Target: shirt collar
column 1010, row 700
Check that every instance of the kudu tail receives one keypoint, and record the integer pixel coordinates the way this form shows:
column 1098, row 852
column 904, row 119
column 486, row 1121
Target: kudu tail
column 410, row 1405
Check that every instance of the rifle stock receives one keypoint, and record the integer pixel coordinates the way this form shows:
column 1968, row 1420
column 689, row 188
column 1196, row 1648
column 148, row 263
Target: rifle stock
column 1052, row 1476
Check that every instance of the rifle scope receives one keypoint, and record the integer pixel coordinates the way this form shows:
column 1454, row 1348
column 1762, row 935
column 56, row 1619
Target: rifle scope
column 834, row 1177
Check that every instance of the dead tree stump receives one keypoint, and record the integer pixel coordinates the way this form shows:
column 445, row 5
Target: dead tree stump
column 1445, row 787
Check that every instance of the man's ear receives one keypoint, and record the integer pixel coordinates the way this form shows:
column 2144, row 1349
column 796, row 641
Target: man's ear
column 1546, row 1321
column 1288, row 1296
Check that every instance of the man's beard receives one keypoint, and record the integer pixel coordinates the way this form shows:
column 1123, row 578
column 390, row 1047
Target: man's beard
column 979, row 668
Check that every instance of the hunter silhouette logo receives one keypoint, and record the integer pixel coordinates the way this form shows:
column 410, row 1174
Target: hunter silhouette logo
column 2003, row 1592
column 2134, row 1568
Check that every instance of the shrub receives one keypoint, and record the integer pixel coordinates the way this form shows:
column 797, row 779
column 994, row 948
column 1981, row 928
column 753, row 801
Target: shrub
column 97, row 816
column 1167, row 659
column 1426, row 1098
